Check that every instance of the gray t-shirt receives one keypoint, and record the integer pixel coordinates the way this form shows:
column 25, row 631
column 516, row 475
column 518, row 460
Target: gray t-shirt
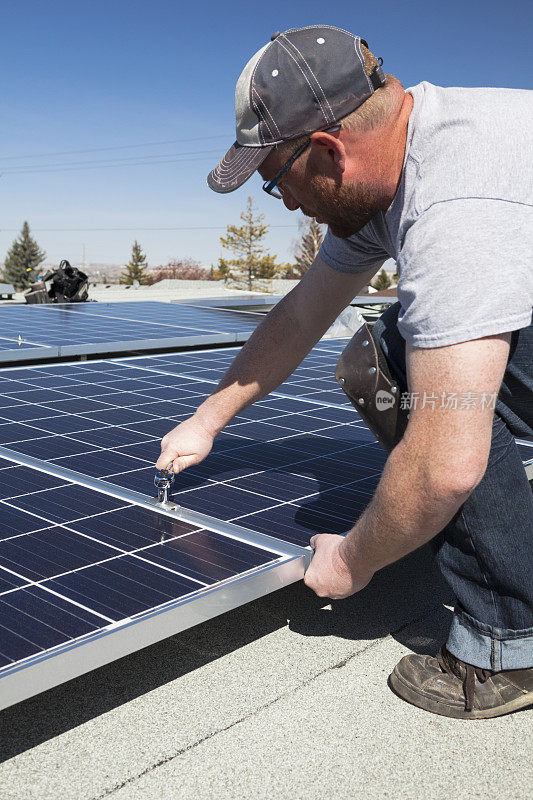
column 461, row 223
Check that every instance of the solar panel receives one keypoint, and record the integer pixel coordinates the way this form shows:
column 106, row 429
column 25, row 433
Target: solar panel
column 49, row 331
column 83, row 553
column 87, row 576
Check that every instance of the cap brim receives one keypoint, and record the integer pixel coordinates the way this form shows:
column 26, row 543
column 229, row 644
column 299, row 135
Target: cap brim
column 239, row 164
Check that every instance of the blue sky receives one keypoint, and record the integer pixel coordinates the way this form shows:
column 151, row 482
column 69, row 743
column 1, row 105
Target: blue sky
column 81, row 76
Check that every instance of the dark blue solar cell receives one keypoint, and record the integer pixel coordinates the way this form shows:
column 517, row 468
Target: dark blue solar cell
column 38, row 395
column 50, row 552
column 111, row 437
column 58, row 446
column 282, row 486
column 125, row 399
column 335, row 414
column 77, row 405
column 43, row 633
column 293, row 524
column 97, row 463
column 66, row 423
column 13, row 521
column 33, row 605
column 207, row 556
column 14, row 647
column 350, row 433
column 17, row 432
column 21, row 480
column 121, row 416
column 132, row 527
column 82, row 390
column 25, row 412
column 10, row 386
column 221, row 501
column 67, row 503
column 123, row 587
column 9, row 581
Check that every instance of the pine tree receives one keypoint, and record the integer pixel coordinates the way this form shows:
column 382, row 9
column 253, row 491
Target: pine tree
column 306, row 250
column 382, row 281
column 22, row 260
column 136, row 266
column 252, row 264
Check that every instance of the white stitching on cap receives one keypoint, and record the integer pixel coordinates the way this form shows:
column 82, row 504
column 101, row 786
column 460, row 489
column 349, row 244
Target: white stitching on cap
column 258, row 103
column 316, row 79
column 357, row 43
column 264, row 105
column 234, row 164
column 305, row 76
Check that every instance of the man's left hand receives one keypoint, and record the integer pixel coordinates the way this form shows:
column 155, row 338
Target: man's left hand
column 329, row 575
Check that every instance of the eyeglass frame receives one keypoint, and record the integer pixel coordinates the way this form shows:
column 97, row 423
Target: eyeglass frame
column 270, row 187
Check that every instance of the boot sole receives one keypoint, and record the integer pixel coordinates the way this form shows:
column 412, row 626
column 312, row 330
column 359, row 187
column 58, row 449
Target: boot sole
column 425, row 702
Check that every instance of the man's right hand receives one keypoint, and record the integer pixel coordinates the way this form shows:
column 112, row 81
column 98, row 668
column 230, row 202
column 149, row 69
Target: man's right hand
column 186, row 444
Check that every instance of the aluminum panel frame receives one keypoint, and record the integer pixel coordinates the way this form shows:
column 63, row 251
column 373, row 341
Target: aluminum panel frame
column 49, row 669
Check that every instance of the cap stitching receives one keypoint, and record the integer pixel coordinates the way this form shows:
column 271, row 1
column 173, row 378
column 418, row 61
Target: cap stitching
column 262, row 118
column 316, row 79
column 234, row 164
column 305, row 76
column 265, row 107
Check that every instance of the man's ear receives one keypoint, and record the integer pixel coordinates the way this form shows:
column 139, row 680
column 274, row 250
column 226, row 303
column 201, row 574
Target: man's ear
column 328, row 150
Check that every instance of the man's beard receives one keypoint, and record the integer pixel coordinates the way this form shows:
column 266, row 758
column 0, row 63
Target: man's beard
column 345, row 209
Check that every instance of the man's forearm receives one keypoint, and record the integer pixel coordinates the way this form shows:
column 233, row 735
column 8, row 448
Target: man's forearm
column 407, row 510
column 271, row 354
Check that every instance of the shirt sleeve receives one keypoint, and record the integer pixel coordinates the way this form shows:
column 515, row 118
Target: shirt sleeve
column 466, row 271
column 356, row 254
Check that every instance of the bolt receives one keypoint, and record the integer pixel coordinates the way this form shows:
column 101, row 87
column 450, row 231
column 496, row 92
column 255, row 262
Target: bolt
column 361, row 401
column 372, row 370
column 365, row 343
column 342, row 380
column 394, row 389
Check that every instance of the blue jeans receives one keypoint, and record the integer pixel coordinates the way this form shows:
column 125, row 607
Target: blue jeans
column 486, row 551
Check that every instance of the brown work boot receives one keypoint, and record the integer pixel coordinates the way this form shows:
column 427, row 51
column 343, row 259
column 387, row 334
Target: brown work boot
column 446, row 685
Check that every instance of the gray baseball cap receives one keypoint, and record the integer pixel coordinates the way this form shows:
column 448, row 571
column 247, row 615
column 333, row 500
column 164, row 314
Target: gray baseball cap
column 301, row 81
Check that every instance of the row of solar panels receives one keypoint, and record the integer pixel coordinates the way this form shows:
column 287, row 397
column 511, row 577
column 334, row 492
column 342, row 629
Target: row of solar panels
column 90, row 570
column 43, row 332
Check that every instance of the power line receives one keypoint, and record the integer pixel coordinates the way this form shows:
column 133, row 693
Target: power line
column 30, row 171
column 111, row 161
column 113, row 147
column 181, row 228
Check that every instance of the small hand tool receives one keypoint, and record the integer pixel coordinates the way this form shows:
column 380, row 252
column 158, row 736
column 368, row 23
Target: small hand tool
column 163, row 481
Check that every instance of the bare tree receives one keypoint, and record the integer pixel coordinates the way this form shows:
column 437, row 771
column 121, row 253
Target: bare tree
column 307, row 247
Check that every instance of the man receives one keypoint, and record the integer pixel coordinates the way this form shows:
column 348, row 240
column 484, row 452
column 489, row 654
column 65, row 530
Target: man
column 441, row 180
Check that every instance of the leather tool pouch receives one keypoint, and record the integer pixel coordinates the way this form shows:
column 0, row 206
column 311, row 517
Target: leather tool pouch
column 362, row 371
